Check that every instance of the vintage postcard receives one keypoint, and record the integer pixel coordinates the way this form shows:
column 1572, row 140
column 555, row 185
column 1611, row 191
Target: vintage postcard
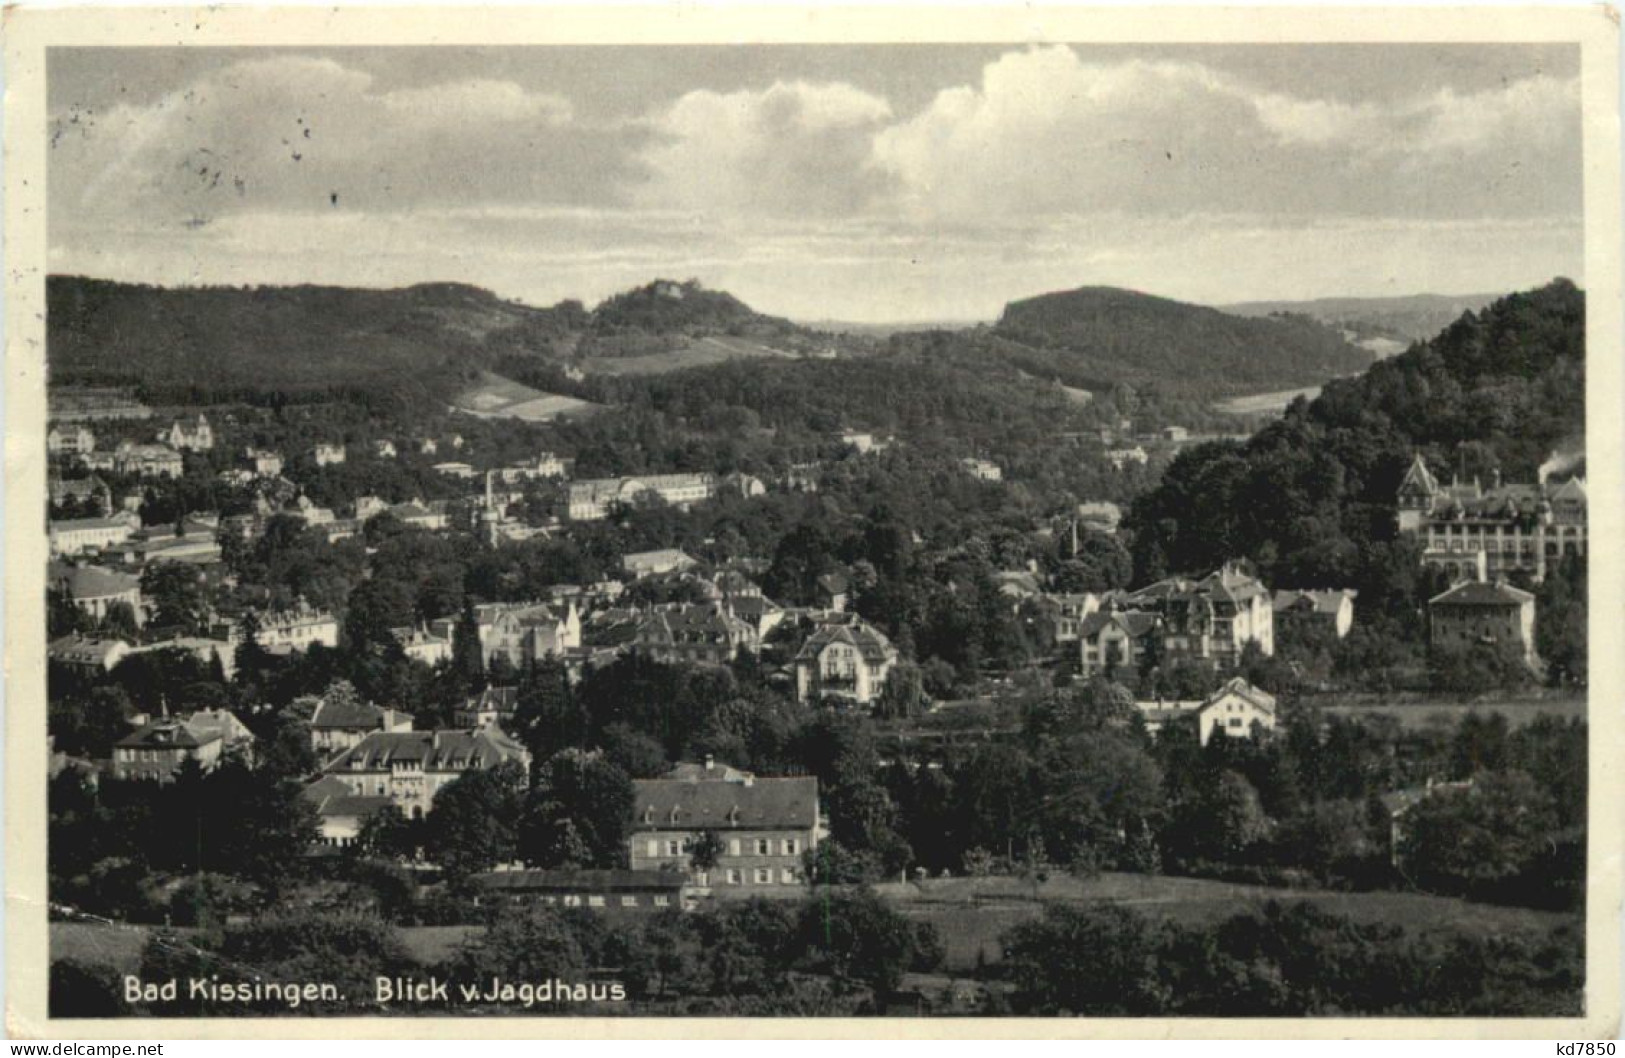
column 812, row 522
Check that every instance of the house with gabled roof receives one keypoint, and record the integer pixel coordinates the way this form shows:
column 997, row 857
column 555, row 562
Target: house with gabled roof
column 160, row 747
column 340, row 813
column 694, row 635
column 1236, row 710
column 96, row 590
column 410, row 767
column 847, row 659
column 765, row 825
column 1477, row 612
column 1209, row 620
column 1332, row 610
column 1112, row 640
column 340, row 723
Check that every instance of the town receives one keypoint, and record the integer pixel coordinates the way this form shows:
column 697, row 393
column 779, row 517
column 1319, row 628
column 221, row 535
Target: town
column 318, row 665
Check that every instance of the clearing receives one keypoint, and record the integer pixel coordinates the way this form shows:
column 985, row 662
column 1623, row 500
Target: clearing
column 1264, row 403
column 698, row 352
column 496, row 397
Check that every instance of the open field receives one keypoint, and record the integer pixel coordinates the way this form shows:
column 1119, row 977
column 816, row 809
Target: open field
column 1427, row 713
column 698, row 352
column 500, row 398
column 971, row 914
column 1264, row 403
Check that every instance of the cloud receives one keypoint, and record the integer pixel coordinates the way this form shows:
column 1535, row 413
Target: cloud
column 793, row 147
column 1047, row 133
column 296, row 132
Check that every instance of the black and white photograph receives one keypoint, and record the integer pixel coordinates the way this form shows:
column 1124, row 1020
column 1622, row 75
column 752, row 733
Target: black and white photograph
column 1012, row 528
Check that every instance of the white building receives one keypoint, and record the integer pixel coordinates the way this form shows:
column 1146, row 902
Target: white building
column 328, row 454
column 591, row 500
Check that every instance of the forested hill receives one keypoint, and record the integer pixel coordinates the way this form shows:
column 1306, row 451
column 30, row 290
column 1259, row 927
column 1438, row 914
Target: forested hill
column 294, row 340
column 1311, row 497
column 668, row 307
column 1103, row 335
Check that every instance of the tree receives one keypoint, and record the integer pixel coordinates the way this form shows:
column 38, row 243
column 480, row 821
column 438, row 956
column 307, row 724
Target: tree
column 387, row 834
column 903, row 695
column 474, row 824
column 706, row 849
column 1476, row 841
column 578, row 813
column 858, row 939
column 1100, row 961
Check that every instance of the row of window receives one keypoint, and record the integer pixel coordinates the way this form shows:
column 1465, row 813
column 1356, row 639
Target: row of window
column 736, row 847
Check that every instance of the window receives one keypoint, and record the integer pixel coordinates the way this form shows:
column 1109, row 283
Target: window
column 733, row 877
column 629, row 901
column 764, row 847
column 662, row 900
column 595, row 901
column 654, row 847
column 733, row 847
column 788, row 876
column 790, row 847
column 674, row 848
column 572, row 900
column 764, row 876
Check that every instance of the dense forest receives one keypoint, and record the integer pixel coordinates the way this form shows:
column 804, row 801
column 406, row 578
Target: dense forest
column 1101, row 335
column 1310, row 498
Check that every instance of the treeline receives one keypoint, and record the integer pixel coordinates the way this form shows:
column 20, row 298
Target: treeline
column 848, row 953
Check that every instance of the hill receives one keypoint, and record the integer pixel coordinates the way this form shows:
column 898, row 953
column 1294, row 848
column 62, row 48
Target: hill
column 1373, row 321
column 1099, row 336
column 1311, row 498
column 416, row 342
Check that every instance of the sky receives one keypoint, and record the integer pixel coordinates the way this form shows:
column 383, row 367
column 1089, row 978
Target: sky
column 886, row 183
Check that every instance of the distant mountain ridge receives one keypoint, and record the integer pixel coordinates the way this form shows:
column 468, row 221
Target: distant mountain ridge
column 1106, row 335
column 1406, row 319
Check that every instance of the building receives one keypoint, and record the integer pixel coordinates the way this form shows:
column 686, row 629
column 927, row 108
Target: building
column 610, row 891
column 654, row 563
column 340, row 814
column 847, row 660
column 545, row 466
column 87, row 656
column 160, row 747
column 747, row 485
column 1236, row 710
column 591, row 500
column 1112, row 640
column 1476, row 533
column 295, row 629
column 428, row 447
column 94, row 404
column 75, row 536
column 95, row 590
column 207, row 651
column 494, row 705
column 147, row 461
column 1059, row 616
column 328, row 454
column 695, row 635
column 384, row 449
column 197, row 436
column 91, row 491
column 982, row 469
column 1314, row 608
column 1098, row 516
column 410, row 767
column 765, row 825
column 1209, row 621
column 830, row 593
column 70, row 439
column 454, row 470
column 420, row 644
column 420, row 516
column 520, row 633
column 340, row 724
column 264, row 462
column 1477, row 612
column 1122, row 457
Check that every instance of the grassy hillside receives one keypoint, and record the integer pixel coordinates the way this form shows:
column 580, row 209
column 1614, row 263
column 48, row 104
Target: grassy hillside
column 1102, row 335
